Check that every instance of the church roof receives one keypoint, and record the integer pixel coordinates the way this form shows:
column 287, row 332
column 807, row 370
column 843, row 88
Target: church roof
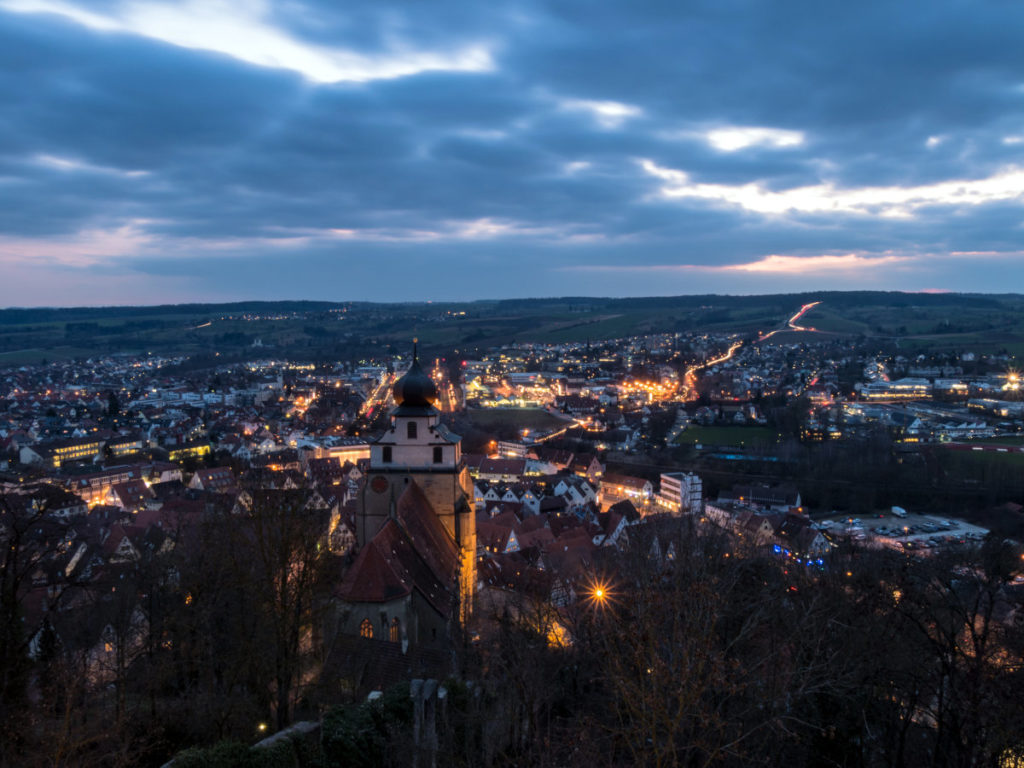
column 427, row 532
column 412, row 550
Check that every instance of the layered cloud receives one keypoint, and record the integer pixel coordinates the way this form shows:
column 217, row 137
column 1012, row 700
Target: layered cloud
column 519, row 148
column 243, row 29
column 893, row 201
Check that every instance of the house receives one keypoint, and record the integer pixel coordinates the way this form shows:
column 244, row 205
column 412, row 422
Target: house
column 495, row 537
column 779, row 498
column 342, row 531
column 575, row 490
column 754, row 526
column 502, row 470
column 795, row 534
column 553, row 459
column 215, row 480
column 131, row 496
column 626, row 509
column 56, row 501
column 615, row 486
column 586, row 465
column 612, row 526
column 119, row 547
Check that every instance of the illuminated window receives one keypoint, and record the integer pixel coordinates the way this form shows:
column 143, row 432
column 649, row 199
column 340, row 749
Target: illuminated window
column 438, row 455
column 395, row 630
column 366, row 629
column 411, row 429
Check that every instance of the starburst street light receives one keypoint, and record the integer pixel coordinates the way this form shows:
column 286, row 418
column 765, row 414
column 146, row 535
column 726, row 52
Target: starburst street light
column 600, row 594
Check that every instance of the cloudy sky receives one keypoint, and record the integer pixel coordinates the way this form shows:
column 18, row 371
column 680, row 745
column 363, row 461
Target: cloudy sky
column 261, row 149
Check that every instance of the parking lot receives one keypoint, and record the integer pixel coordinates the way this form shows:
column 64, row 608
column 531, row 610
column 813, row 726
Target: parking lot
column 914, row 532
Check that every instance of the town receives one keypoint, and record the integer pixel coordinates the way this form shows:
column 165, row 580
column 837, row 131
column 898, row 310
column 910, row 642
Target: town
column 408, row 503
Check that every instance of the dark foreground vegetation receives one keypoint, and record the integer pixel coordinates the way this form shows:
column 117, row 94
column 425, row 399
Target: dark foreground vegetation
column 700, row 652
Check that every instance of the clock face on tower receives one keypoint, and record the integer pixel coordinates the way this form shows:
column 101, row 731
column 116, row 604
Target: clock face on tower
column 379, row 484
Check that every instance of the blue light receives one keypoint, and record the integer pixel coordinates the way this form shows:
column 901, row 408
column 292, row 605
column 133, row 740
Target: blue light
column 777, row 549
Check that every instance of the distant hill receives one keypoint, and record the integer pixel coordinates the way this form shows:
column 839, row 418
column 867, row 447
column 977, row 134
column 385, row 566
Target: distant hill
column 348, row 330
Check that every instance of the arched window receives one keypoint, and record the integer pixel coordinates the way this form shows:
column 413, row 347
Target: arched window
column 395, row 630
column 411, row 429
column 366, row 629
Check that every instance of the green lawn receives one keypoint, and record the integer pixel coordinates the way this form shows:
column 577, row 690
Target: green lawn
column 975, row 463
column 738, row 435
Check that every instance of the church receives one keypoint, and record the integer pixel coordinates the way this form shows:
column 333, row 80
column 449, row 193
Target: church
column 414, row 575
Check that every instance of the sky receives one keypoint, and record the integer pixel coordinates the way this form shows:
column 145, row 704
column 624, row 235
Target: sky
column 212, row 150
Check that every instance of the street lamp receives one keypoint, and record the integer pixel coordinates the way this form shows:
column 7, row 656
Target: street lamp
column 600, row 594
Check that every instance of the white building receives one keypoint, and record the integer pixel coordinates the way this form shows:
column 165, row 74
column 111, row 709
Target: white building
column 681, row 492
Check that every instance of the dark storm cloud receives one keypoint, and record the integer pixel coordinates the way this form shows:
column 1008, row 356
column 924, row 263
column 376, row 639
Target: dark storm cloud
column 572, row 135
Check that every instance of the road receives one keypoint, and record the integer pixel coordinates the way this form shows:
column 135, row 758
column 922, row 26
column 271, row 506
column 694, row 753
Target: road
column 791, row 323
column 690, row 377
column 447, row 395
column 380, row 394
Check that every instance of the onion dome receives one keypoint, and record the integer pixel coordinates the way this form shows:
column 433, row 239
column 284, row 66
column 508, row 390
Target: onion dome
column 415, row 389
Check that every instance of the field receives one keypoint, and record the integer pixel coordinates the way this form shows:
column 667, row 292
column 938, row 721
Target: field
column 735, row 436
column 977, row 463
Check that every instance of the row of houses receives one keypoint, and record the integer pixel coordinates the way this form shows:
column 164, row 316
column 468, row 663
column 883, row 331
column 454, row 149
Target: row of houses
column 557, row 493
column 790, row 533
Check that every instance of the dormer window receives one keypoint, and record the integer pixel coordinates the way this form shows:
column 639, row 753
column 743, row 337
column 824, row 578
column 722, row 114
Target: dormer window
column 411, row 430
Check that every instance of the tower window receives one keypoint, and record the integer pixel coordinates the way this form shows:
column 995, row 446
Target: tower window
column 438, row 455
column 386, row 454
column 411, row 429
column 395, row 630
column 366, row 629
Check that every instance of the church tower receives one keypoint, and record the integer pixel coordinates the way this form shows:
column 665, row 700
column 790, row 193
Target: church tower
column 418, row 448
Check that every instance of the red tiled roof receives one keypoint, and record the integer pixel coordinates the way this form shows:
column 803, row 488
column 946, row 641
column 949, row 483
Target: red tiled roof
column 540, row 538
column 508, row 518
column 413, row 550
column 493, row 537
column 389, row 567
column 427, row 532
column 503, row 467
column 132, row 492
